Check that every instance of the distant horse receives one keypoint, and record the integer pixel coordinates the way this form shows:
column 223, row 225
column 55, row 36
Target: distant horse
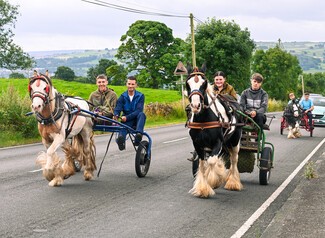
column 213, row 127
column 56, row 124
column 293, row 114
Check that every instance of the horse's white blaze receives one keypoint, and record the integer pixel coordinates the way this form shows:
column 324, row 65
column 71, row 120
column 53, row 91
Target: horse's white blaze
column 295, row 110
column 195, row 99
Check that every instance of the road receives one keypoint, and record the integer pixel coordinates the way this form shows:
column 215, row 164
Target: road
column 119, row 204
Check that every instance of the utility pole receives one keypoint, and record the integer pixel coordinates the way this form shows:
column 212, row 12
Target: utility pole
column 193, row 42
column 302, row 84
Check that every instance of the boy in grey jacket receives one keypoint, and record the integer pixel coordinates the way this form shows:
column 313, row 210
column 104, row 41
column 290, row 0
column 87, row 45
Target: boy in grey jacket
column 254, row 100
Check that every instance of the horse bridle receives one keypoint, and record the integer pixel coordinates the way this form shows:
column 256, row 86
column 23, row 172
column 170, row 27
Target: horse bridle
column 44, row 96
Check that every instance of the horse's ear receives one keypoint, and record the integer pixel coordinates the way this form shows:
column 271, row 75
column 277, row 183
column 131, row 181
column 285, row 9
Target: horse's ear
column 189, row 68
column 203, row 68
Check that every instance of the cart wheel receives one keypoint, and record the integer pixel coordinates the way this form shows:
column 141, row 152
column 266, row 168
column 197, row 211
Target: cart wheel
column 265, row 166
column 195, row 163
column 77, row 165
column 142, row 160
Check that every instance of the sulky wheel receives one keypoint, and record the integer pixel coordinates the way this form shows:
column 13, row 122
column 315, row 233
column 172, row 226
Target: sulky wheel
column 195, row 163
column 77, row 165
column 265, row 165
column 282, row 125
column 142, row 160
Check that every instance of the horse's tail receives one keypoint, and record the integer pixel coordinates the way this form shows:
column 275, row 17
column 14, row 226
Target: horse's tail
column 93, row 150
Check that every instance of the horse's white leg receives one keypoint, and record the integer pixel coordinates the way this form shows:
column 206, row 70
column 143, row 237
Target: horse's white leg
column 297, row 130
column 233, row 179
column 68, row 164
column 290, row 134
column 89, row 150
column 52, row 167
column 216, row 172
column 200, row 186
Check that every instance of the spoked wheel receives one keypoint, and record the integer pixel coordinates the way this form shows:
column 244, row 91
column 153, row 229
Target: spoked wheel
column 142, row 160
column 282, row 125
column 77, row 165
column 195, row 163
column 265, row 166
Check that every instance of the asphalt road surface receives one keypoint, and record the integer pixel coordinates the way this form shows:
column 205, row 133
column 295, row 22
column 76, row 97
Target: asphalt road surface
column 119, row 204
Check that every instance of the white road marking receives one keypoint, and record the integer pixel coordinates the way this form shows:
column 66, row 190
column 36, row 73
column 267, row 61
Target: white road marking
column 34, row 171
column 244, row 228
column 171, row 141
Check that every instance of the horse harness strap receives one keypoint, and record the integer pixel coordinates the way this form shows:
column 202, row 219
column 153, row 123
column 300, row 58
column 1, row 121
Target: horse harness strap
column 58, row 111
column 71, row 107
column 207, row 125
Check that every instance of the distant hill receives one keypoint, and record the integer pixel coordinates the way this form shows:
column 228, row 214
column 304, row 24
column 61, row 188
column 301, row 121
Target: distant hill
column 310, row 54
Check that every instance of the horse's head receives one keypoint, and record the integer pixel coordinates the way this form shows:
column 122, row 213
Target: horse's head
column 40, row 89
column 196, row 85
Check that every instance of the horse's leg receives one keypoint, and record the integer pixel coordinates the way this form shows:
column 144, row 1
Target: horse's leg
column 233, row 178
column 89, row 151
column 290, row 134
column 52, row 170
column 216, row 172
column 297, row 130
column 68, row 166
column 200, row 186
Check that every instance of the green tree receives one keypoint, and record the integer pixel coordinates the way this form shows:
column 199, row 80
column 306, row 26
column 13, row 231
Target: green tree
column 117, row 74
column 16, row 75
column 280, row 70
column 150, row 49
column 12, row 56
column 224, row 46
column 314, row 83
column 65, row 73
column 100, row 68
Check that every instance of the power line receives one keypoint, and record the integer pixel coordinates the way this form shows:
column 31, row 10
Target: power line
column 133, row 10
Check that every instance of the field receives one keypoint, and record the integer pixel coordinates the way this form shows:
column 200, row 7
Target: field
column 84, row 90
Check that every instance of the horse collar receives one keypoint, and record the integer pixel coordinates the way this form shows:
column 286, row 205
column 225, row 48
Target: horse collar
column 56, row 114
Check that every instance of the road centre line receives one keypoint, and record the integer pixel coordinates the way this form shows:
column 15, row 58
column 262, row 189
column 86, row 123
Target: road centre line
column 244, row 228
column 171, row 141
column 34, row 171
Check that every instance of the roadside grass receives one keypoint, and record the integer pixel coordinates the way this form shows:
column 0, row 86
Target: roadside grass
column 309, row 172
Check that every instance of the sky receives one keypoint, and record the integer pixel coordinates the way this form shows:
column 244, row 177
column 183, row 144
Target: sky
column 45, row 25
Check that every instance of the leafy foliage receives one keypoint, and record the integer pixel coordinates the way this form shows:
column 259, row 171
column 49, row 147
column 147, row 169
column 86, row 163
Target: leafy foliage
column 315, row 83
column 12, row 114
column 280, row 70
column 150, row 49
column 65, row 73
column 12, row 56
column 224, row 46
column 100, row 68
column 17, row 76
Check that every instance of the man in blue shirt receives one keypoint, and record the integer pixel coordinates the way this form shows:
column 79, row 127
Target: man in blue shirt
column 131, row 104
column 307, row 106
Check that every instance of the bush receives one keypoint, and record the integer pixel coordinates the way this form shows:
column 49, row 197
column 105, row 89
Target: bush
column 12, row 114
column 17, row 76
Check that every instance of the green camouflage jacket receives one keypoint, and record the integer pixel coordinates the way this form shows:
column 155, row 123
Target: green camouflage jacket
column 103, row 102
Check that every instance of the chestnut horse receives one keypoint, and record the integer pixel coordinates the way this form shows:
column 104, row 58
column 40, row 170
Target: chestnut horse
column 56, row 124
column 214, row 128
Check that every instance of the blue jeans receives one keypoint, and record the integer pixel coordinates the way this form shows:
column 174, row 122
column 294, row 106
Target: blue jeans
column 137, row 124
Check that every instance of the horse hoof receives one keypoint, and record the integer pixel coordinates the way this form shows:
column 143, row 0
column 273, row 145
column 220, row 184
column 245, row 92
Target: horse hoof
column 56, row 182
column 48, row 174
column 88, row 175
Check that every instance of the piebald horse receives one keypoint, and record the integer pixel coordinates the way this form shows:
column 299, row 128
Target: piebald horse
column 56, row 124
column 215, row 128
column 293, row 115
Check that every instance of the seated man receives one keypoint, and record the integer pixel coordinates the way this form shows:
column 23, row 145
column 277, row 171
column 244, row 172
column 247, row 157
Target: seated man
column 131, row 105
column 254, row 100
column 307, row 106
column 293, row 99
column 103, row 100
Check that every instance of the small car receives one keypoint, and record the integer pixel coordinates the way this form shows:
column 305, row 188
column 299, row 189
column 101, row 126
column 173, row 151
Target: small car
column 319, row 111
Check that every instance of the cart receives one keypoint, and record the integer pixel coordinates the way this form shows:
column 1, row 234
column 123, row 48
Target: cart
column 143, row 149
column 303, row 124
column 253, row 147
